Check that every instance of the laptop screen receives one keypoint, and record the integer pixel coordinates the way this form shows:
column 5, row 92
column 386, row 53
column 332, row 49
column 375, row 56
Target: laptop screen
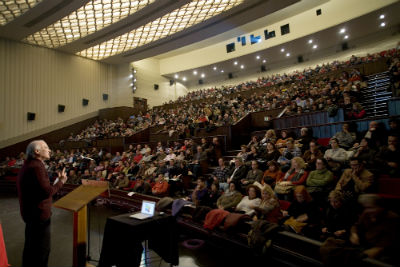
column 148, row 207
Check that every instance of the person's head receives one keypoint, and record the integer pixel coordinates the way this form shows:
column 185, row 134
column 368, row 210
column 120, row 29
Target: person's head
column 290, row 143
column 215, row 186
column 373, row 125
column 336, row 199
column 270, row 146
column 270, row 133
column 393, row 140
column 321, row 164
column 372, row 203
column 334, row 143
column 273, row 166
column 304, row 131
column 221, row 162
column 356, row 164
column 238, row 162
column 284, row 134
column 301, row 194
column 298, row 163
column 232, row 187
column 254, row 165
column 171, row 162
column 38, row 149
column 71, row 173
column 357, row 106
column 393, row 124
column 243, row 148
column 201, row 182
column 267, row 193
column 253, row 192
column 345, row 127
column 160, row 177
column 253, row 149
column 199, row 149
column 364, row 142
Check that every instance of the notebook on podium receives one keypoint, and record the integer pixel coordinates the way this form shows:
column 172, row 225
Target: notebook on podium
column 147, row 211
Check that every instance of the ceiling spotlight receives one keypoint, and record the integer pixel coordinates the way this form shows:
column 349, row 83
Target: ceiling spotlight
column 283, row 50
column 134, row 80
column 215, row 68
column 134, row 71
column 383, row 24
column 131, row 76
column 134, row 88
column 222, row 71
column 184, row 79
column 195, row 72
column 202, row 75
column 257, row 57
column 342, row 30
column 242, row 66
column 315, row 46
column 382, row 16
column 346, row 37
column 264, row 60
column 310, row 41
column 235, row 63
column 131, row 84
column 176, row 76
column 288, row 54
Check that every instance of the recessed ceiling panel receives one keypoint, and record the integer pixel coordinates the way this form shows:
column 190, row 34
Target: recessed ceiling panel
column 11, row 9
column 178, row 20
column 92, row 17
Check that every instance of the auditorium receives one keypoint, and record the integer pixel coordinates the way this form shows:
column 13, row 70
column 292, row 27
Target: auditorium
column 199, row 133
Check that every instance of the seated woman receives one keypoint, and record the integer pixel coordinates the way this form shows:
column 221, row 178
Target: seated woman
column 288, row 153
column 296, row 175
column 253, row 142
column 337, row 218
column 242, row 154
column 269, row 136
column 271, row 153
column 213, row 195
column 357, row 112
column 230, row 198
column 320, row 181
column 251, row 201
column 269, row 209
column 311, row 155
column 254, row 175
column 272, row 174
column 253, row 154
column 281, row 142
column 303, row 212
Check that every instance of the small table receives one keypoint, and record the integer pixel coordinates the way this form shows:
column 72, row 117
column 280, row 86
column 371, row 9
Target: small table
column 123, row 236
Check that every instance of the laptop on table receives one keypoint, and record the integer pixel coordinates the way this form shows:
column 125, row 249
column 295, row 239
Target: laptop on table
column 147, row 211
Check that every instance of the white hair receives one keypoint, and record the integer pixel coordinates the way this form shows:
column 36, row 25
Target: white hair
column 32, row 147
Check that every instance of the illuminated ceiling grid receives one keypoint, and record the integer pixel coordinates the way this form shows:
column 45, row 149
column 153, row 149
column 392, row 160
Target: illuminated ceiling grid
column 10, row 10
column 92, row 17
column 184, row 17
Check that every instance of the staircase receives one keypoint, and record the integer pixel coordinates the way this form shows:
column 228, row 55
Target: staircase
column 375, row 97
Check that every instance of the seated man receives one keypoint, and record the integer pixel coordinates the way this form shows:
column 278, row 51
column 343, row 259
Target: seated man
column 121, row 181
column 355, row 180
column 195, row 166
column 335, row 156
column 141, row 186
column 254, row 175
column 239, row 172
column 345, row 138
column 388, row 158
column 160, row 188
column 221, row 174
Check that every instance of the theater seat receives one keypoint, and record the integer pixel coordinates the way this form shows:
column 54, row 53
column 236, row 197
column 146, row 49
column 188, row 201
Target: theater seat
column 323, row 141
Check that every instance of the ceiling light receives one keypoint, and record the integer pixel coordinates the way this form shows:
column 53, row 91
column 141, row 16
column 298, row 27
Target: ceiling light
column 235, row 63
column 184, row 79
column 195, row 72
column 131, row 84
column 222, row 71
column 315, row 46
column 176, row 76
column 382, row 16
column 134, row 71
column 134, row 80
column 134, row 88
column 215, row 68
column 131, row 76
column 283, row 50
column 10, row 10
column 264, row 60
column 186, row 16
column 310, row 41
column 257, row 57
column 346, row 37
column 288, row 54
column 202, row 75
column 242, row 66
column 342, row 30
column 383, row 24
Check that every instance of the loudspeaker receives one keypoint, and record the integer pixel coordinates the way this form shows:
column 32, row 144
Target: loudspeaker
column 319, row 12
column 85, row 102
column 61, row 108
column 263, row 68
column 31, row 116
column 156, row 87
column 230, row 75
column 345, row 46
column 300, row 59
column 200, row 81
column 171, row 82
column 105, row 96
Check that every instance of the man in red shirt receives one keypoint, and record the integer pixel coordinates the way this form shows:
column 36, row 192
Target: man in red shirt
column 35, row 197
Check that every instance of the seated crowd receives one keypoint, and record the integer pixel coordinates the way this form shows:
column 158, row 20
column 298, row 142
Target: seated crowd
column 320, row 192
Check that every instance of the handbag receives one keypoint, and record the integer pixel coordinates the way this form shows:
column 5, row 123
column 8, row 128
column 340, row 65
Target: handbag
column 283, row 188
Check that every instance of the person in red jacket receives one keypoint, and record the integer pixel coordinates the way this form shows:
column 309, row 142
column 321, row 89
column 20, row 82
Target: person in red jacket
column 160, row 187
column 357, row 112
column 35, row 197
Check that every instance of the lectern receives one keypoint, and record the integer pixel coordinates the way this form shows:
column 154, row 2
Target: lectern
column 76, row 201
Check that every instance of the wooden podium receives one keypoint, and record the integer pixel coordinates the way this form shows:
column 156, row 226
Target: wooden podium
column 76, row 201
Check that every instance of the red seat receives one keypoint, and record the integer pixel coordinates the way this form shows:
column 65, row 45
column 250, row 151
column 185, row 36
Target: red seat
column 323, row 141
column 284, row 204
